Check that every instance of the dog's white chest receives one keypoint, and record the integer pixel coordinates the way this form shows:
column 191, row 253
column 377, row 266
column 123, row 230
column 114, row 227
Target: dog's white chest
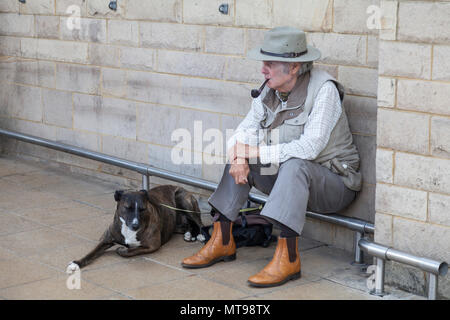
column 129, row 235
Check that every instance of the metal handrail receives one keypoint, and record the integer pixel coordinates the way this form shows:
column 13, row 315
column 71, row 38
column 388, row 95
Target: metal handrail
column 382, row 253
column 148, row 170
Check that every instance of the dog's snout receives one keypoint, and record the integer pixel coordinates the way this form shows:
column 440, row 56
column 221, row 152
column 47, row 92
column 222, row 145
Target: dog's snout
column 135, row 224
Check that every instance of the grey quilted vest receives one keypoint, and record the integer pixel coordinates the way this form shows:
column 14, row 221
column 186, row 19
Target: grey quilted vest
column 340, row 154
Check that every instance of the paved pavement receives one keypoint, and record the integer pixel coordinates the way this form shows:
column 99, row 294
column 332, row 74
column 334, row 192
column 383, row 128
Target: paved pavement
column 49, row 217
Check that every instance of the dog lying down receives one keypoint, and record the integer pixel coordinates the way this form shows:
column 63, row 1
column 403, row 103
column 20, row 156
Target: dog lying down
column 142, row 223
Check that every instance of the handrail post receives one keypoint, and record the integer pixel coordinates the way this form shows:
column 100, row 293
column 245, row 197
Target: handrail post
column 145, row 182
column 379, row 278
column 432, row 286
column 359, row 254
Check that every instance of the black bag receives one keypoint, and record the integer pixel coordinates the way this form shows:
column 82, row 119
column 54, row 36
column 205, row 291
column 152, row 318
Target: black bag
column 249, row 229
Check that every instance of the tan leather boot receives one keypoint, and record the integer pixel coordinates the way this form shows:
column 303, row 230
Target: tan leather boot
column 214, row 250
column 280, row 269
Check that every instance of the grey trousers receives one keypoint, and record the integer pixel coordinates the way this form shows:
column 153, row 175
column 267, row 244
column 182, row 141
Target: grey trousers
column 297, row 186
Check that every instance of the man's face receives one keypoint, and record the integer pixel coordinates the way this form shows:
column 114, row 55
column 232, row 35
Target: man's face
column 281, row 75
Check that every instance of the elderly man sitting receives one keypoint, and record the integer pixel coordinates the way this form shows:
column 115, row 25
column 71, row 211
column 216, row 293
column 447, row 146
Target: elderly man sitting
column 294, row 145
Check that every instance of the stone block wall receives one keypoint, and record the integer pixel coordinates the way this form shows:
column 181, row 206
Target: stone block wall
column 120, row 82
column 413, row 137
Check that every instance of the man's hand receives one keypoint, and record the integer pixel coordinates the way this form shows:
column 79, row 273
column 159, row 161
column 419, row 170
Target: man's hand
column 239, row 170
column 242, row 151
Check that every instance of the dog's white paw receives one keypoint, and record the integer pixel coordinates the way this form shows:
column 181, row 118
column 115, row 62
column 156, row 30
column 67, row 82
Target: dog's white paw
column 187, row 236
column 201, row 238
column 72, row 267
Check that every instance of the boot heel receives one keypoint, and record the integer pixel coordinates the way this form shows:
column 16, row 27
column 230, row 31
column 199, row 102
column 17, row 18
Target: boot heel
column 296, row 276
column 230, row 258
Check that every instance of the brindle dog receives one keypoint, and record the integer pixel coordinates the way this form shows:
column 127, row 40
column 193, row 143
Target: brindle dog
column 142, row 224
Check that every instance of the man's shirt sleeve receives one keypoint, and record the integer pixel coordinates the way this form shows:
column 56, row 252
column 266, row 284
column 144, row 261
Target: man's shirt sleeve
column 248, row 130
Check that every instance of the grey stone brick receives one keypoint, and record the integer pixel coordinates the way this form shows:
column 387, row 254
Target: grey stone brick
column 352, row 17
column 37, row 7
column 57, row 108
column 372, row 51
column 388, row 21
column 405, row 230
column 104, row 55
column 255, row 38
column 78, row 78
column 114, row 82
column 243, row 70
column 9, row 6
column 225, row 40
column 71, row 8
column 386, row 92
column 191, row 64
column 404, row 131
column 403, row 202
column 67, row 51
column 18, row 70
column 308, row 15
column 160, row 156
column 361, row 81
column 424, row 173
column 100, row 9
column 13, row 24
column 157, row 123
column 254, row 13
column 216, row 96
column 171, row 36
column 46, row 73
column 439, row 207
column 157, row 10
column 344, row 49
column 25, row 71
column 207, row 12
column 123, row 32
column 109, row 116
column 440, row 137
column 21, row 102
column 383, row 229
column 10, row 46
column 153, row 87
column 47, row 27
column 331, row 69
column 361, row 114
column 414, row 23
column 385, row 166
column 92, row 30
column 137, row 58
column 405, row 59
column 126, row 149
column 424, row 96
column 441, row 63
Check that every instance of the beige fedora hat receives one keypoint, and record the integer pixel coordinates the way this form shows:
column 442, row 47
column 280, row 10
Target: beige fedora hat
column 284, row 44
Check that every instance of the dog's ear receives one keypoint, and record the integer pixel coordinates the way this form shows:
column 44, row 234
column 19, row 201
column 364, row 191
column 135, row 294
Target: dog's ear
column 118, row 195
column 145, row 194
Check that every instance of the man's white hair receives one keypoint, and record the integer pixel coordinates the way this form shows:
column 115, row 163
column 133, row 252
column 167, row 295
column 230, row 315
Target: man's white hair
column 305, row 67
